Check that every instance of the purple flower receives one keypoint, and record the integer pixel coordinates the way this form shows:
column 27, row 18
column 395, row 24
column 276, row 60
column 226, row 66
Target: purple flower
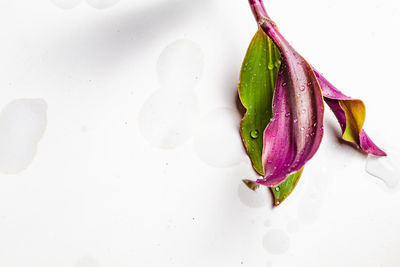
column 295, row 132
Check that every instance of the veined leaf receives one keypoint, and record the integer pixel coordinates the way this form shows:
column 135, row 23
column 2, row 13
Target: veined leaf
column 256, row 89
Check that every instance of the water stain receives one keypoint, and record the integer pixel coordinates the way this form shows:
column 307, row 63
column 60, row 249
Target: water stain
column 100, row 4
column 22, row 124
column 253, row 199
column 276, row 241
column 180, row 65
column 309, row 208
column 267, row 223
column 167, row 119
column 292, row 226
column 66, row 4
column 385, row 168
column 217, row 141
column 86, row 261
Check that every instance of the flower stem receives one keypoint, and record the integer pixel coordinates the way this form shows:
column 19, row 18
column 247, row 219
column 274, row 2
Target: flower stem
column 259, row 11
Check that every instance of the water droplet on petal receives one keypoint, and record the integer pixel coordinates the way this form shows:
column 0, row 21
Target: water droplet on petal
column 287, row 114
column 302, row 128
column 283, row 84
column 302, row 88
column 254, row 134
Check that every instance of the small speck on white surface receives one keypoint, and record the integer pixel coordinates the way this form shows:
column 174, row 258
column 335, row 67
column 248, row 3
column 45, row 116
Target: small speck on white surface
column 22, row 124
column 217, row 142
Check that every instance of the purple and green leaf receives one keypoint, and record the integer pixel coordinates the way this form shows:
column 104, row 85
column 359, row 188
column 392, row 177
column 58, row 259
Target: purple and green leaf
column 256, row 88
column 295, row 132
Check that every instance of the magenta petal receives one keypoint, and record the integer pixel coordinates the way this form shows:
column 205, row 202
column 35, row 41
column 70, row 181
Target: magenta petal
column 332, row 97
column 295, row 132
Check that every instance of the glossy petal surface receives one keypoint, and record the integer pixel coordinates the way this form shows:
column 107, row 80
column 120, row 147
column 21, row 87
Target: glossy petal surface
column 296, row 129
column 256, row 87
column 351, row 116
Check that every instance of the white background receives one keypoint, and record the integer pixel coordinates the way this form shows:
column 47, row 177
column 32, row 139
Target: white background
column 103, row 189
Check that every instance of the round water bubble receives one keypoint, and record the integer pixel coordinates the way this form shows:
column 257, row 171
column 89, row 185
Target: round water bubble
column 167, row 119
column 180, row 65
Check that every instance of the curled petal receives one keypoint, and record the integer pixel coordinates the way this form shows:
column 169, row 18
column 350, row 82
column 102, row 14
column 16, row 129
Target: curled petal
column 295, row 132
column 351, row 115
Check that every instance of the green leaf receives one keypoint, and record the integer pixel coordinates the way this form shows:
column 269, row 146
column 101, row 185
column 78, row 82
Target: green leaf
column 256, row 89
column 286, row 187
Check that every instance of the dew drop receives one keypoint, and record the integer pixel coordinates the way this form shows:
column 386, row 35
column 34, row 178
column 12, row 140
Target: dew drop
column 287, row 114
column 283, row 84
column 302, row 88
column 302, row 128
column 295, row 120
column 277, row 189
column 254, row 134
column 270, row 66
column 309, row 83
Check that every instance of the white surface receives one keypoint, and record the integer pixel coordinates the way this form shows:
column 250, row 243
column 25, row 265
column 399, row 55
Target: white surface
column 99, row 193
